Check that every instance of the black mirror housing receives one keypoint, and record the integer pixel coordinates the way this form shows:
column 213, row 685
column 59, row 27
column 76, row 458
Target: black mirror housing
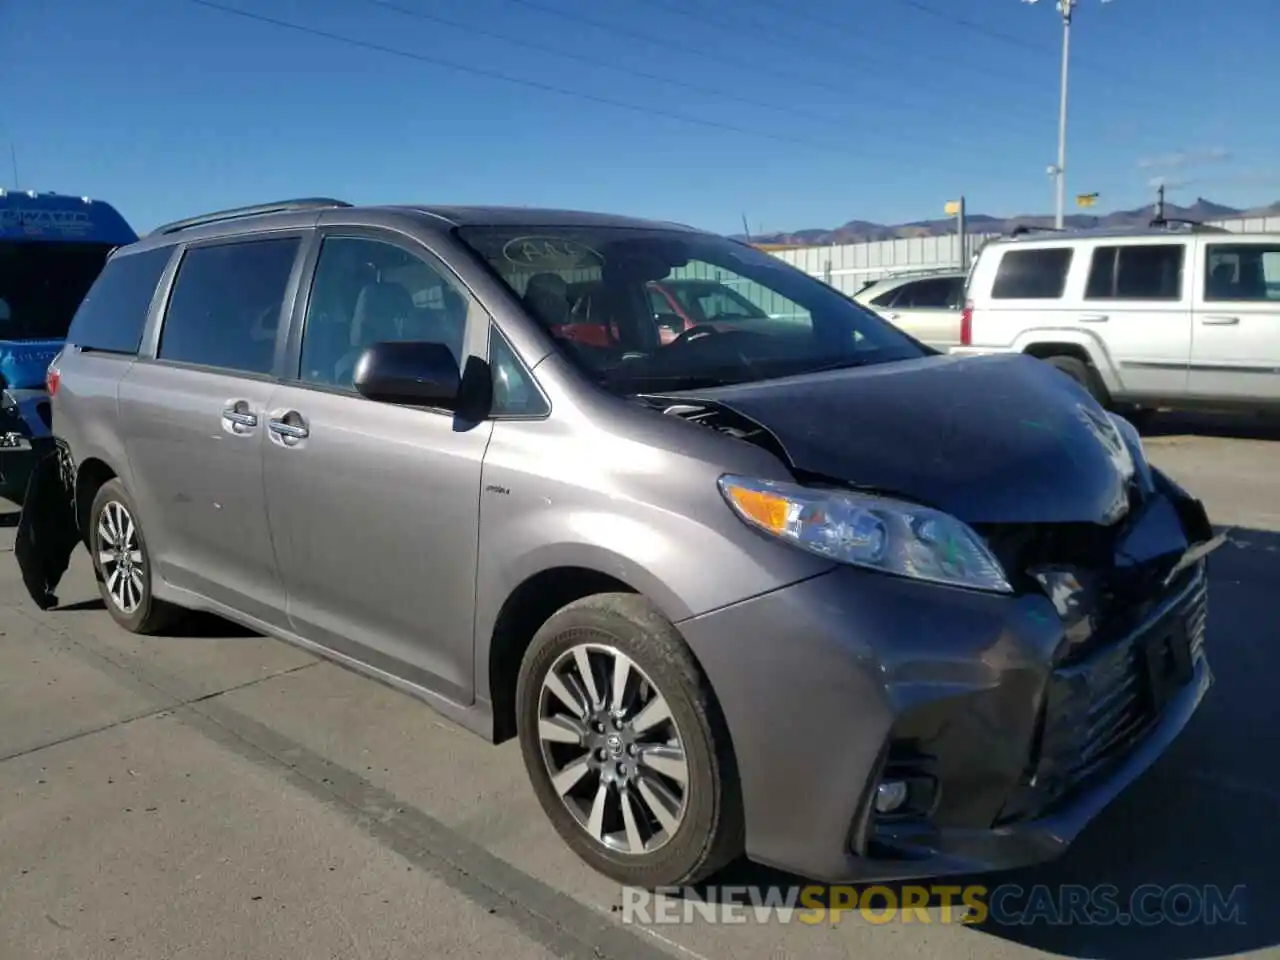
column 418, row 373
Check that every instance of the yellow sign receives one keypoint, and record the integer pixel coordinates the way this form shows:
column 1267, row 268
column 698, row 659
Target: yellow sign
column 1086, row 199
column 952, row 208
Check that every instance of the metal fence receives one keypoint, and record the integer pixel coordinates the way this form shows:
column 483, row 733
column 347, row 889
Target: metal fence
column 767, row 300
column 771, row 302
column 849, row 266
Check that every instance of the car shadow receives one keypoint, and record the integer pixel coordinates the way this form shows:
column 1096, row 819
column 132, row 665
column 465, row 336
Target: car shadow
column 1198, row 825
column 191, row 626
column 1222, row 425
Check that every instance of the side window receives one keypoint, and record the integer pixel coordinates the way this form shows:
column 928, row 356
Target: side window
column 226, row 303
column 1242, row 272
column 514, row 392
column 721, row 305
column 1133, row 272
column 662, row 309
column 114, row 311
column 886, row 298
column 669, row 322
column 1032, row 274
column 370, row 291
column 930, row 295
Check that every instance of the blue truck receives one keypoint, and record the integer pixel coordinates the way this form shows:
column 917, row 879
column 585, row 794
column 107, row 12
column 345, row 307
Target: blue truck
column 52, row 248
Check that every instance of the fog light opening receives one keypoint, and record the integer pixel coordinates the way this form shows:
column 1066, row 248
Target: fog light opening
column 891, row 796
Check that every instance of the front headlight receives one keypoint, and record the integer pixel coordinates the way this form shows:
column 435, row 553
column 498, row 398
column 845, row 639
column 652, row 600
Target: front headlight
column 892, row 536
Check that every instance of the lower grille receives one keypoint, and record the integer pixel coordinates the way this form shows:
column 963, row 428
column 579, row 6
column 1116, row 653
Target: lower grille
column 1197, row 624
column 1096, row 710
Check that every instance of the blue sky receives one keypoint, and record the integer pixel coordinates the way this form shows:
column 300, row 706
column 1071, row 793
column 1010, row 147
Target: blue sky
column 802, row 114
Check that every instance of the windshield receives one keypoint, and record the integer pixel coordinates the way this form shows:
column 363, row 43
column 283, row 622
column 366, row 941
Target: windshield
column 42, row 283
column 646, row 311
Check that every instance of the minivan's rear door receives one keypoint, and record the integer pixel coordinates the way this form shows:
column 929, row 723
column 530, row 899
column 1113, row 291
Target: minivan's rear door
column 1235, row 350
column 193, row 416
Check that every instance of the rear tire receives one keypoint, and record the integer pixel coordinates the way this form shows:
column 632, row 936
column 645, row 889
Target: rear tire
column 1083, row 374
column 122, row 563
column 640, row 781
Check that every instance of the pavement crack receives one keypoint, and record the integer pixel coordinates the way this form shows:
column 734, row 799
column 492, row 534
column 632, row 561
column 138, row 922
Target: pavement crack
column 81, row 734
column 170, row 707
column 252, row 683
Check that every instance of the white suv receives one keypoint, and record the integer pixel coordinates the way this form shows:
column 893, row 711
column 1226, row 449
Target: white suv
column 1143, row 319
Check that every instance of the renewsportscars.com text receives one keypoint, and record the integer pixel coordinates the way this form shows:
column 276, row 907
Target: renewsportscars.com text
column 1006, row 905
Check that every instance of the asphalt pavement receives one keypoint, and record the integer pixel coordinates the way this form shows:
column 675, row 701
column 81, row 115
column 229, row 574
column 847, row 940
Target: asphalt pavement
column 215, row 794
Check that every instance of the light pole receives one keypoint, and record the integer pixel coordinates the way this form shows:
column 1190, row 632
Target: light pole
column 1064, row 7
column 1059, row 170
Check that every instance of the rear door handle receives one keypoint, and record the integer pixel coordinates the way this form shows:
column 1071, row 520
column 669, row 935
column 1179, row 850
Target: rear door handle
column 1214, row 320
column 1094, row 318
column 290, row 427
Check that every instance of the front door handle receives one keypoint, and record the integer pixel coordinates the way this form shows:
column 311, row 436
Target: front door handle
column 1094, row 318
column 1219, row 321
column 237, row 416
column 290, row 428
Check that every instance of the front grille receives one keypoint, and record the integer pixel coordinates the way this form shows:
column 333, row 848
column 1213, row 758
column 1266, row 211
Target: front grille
column 1197, row 625
column 1097, row 709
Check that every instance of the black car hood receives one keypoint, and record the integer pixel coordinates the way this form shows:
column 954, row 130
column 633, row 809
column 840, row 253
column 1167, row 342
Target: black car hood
column 995, row 439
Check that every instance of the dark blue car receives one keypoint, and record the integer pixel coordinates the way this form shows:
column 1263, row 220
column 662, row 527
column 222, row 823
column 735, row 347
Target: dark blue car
column 52, row 248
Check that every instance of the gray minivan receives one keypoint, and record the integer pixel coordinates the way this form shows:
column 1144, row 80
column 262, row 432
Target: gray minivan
column 803, row 590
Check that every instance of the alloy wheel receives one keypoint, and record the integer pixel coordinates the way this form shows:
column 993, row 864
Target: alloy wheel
column 120, row 557
column 612, row 749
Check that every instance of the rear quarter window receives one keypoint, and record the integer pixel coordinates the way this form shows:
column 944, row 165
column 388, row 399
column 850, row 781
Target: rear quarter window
column 114, row 311
column 1039, row 274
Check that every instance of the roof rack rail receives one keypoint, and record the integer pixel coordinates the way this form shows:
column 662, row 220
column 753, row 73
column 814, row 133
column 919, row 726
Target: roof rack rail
column 907, row 270
column 1023, row 229
column 258, row 209
column 1195, row 226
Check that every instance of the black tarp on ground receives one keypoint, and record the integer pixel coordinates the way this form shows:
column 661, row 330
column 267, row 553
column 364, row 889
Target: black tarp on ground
column 47, row 530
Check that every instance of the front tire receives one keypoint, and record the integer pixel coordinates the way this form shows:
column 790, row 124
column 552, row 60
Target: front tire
column 625, row 745
column 122, row 563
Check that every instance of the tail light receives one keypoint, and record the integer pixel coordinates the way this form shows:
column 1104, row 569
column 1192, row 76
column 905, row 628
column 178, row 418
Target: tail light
column 52, row 378
column 966, row 324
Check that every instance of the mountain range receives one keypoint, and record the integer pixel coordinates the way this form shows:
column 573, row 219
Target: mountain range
column 856, row 231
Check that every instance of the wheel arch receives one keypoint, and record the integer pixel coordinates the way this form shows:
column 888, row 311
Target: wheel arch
column 91, row 474
column 554, row 578
column 1081, row 344
column 524, row 611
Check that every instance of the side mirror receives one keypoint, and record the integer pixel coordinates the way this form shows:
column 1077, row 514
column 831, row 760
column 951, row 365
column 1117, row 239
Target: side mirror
column 416, row 373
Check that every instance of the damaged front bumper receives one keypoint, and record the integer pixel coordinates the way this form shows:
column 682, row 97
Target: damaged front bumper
column 1000, row 726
